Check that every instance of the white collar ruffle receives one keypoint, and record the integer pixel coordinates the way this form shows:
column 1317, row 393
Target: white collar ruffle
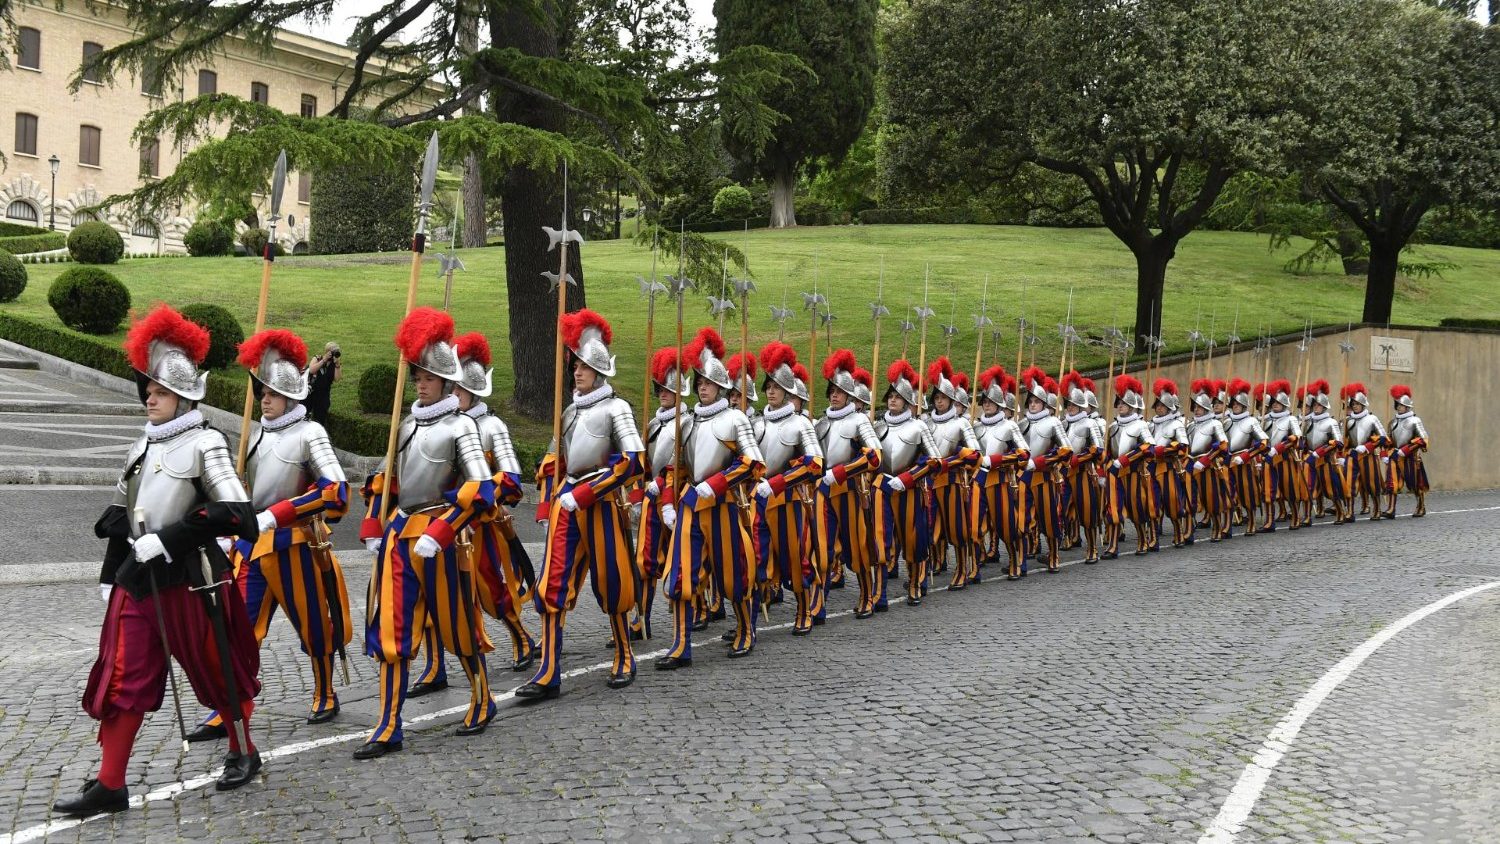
column 285, row 420
column 442, row 407
column 171, row 428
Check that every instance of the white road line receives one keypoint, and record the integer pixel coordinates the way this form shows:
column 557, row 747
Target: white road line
column 1241, row 800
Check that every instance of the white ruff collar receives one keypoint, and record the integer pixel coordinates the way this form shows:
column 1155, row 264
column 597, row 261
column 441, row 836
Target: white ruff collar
column 841, row 412
column 426, row 413
column 1126, row 417
column 167, row 430
column 593, row 397
column 1405, row 415
column 1317, row 417
column 477, row 409
column 1238, row 416
column 703, row 411
column 1074, row 417
column 665, row 414
column 1278, row 414
column 897, row 418
column 1360, row 415
column 776, row 414
column 1166, row 417
column 945, row 416
column 992, row 420
column 1037, row 416
column 285, row 420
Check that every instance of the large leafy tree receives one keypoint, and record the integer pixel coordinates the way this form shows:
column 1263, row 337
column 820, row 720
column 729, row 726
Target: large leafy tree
column 1418, row 126
column 836, row 38
column 1151, row 105
column 507, row 98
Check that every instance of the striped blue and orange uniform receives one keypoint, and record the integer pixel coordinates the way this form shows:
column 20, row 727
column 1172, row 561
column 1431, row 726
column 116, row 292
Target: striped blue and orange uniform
column 1047, row 490
column 652, row 542
column 1130, row 494
column 999, row 504
column 903, row 527
column 1086, row 495
column 712, row 544
column 594, row 541
column 406, row 591
column 846, row 524
column 783, row 534
column 1211, row 489
column 952, row 497
column 502, row 587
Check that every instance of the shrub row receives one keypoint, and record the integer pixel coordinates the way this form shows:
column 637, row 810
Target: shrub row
column 17, row 229
column 20, row 244
column 1470, row 322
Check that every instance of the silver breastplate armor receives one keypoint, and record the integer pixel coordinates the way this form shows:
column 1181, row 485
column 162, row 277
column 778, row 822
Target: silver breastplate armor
column 1202, row 434
column 1125, row 437
column 661, row 441
column 1403, row 431
column 952, row 435
column 1043, row 435
column 1365, row 427
column 177, row 475
column 784, row 440
column 1244, row 433
column 1280, row 430
column 1001, row 437
column 595, row 432
column 288, row 461
column 1322, row 432
column 1084, row 435
column 494, row 438
column 1168, row 431
column 843, row 438
column 716, row 440
column 438, row 456
column 901, row 444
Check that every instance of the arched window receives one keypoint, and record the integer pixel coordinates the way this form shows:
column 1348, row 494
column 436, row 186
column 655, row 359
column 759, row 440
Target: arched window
column 81, row 217
column 24, row 211
column 145, row 228
column 30, row 42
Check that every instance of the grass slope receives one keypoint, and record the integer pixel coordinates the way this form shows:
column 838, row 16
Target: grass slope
column 356, row 300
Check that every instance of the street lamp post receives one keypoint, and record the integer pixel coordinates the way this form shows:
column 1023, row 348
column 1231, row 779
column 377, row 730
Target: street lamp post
column 52, row 197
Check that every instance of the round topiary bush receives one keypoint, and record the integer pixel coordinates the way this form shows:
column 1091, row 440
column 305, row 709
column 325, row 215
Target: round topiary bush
column 224, row 333
column 375, row 388
column 89, row 299
column 208, row 238
column 95, row 243
column 733, row 203
column 12, row 277
column 254, row 241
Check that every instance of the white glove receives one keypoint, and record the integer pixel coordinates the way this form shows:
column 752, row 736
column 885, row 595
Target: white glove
column 104, row 590
column 265, row 521
column 763, row 489
column 149, row 547
column 1385, row 460
column 373, row 545
column 705, row 491
column 1118, row 465
column 653, row 489
column 829, row 478
column 225, row 543
column 669, row 516
column 1361, row 449
column 1339, row 462
column 426, row 547
column 1197, row 467
column 1238, row 460
column 1031, row 464
column 568, row 502
column 895, row 484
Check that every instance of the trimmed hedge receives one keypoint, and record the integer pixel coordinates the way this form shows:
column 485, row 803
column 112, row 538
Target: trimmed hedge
column 19, row 229
column 95, row 243
column 23, row 243
column 89, row 299
column 376, row 384
column 12, row 277
column 358, row 209
column 208, row 238
column 733, row 201
column 224, row 333
column 1469, row 322
column 902, row 216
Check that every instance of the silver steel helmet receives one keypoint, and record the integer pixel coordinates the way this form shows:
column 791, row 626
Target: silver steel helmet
column 903, row 382
column 441, row 359
column 1168, row 399
column 1203, row 400
column 839, row 370
column 587, row 336
column 995, row 393
column 962, row 397
column 1240, row 394
column 474, row 360
column 1401, row 394
column 940, row 380
column 277, row 360
column 1093, row 400
column 862, row 393
column 783, row 377
column 707, row 365
column 666, row 374
column 1012, row 403
column 1358, row 395
column 166, row 347
column 802, row 391
column 1078, row 397
column 747, row 386
column 425, row 338
column 1280, row 393
column 281, row 375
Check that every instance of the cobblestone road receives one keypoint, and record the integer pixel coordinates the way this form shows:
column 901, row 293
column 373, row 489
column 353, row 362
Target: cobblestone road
column 1117, row 702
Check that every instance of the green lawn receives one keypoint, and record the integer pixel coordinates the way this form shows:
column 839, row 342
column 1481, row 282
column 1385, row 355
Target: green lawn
column 356, row 300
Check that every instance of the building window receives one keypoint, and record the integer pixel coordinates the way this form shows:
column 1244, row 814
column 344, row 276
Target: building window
column 81, row 217
column 88, row 145
column 151, row 158
column 151, row 79
column 90, row 49
column 23, row 211
column 309, row 105
column 145, row 228
column 25, row 133
column 260, row 93
column 304, row 187
column 31, row 48
column 208, row 82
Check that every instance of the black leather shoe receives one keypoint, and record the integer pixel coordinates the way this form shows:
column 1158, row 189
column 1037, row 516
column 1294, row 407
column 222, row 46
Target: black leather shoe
column 863, row 613
column 956, row 587
column 325, row 716
column 421, row 689
column 836, row 584
column 672, row 663
column 718, row 615
column 524, row 662
column 474, row 729
column 94, row 798
column 620, row 681
column 699, row 624
column 238, row 770
column 913, row 601
column 819, row 622
column 736, row 653
column 801, row 631
column 882, row 607
column 727, row 636
column 537, row 691
column 377, row 749
column 208, row 732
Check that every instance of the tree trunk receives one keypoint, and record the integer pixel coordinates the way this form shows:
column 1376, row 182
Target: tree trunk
column 783, row 196
column 476, row 226
column 528, row 201
column 1150, row 275
column 1380, row 283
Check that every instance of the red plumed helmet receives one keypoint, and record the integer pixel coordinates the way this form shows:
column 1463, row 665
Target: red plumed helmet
column 1203, row 385
column 1301, row 393
column 288, row 345
column 1354, row 389
column 961, row 380
column 574, row 324
column 776, row 354
column 1070, row 380
column 864, row 377
column 1128, row 383
column 1049, row 385
column 422, row 327
column 662, row 363
column 1009, row 384
column 473, row 346
column 842, row 359
column 1164, row 385
column 801, row 372
column 938, row 370
column 1400, row 391
column 990, row 376
column 1280, row 385
column 166, row 325
column 706, row 338
column 1259, row 393
column 739, row 362
column 902, row 368
column 1031, row 375
column 1219, row 387
column 1237, row 386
